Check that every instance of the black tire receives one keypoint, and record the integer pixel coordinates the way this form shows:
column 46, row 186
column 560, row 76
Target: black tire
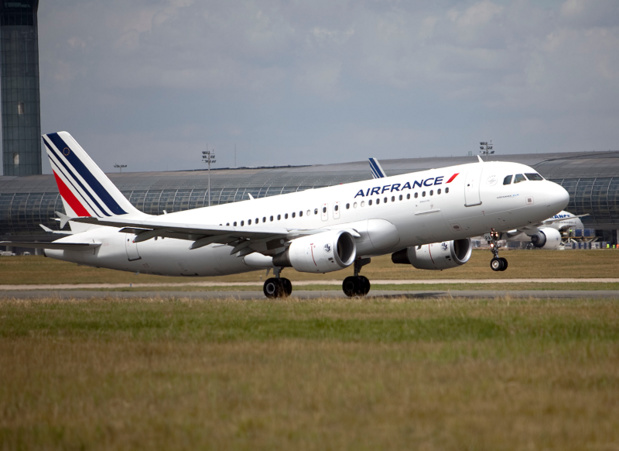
column 286, row 287
column 496, row 264
column 504, row 263
column 364, row 285
column 349, row 286
column 272, row 288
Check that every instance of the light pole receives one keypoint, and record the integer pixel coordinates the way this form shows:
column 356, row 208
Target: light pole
column 208, row 156
column 486, row 148
column 120, row 167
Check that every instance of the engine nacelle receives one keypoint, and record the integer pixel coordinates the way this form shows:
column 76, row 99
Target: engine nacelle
column 445, row 255
column 546, row 238
column 319, row 253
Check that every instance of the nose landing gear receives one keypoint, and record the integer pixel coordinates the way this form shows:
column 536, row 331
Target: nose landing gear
column 497, row 263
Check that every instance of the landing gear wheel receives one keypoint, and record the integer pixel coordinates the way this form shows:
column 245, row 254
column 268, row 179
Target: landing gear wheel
column 356, row 286
column 277, row 288
column 286, row 286
column 498, row 264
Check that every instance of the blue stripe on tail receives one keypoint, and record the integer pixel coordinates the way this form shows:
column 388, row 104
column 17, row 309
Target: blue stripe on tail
column 88, row 177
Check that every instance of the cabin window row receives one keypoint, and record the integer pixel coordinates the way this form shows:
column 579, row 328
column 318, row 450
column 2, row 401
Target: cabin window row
column 336, row 208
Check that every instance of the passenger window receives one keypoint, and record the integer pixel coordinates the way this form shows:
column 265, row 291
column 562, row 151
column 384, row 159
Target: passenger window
column 519, row 178
column 507, row 180
column 446, row 190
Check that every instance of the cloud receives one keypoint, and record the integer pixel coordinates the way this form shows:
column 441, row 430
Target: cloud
column 300, row 82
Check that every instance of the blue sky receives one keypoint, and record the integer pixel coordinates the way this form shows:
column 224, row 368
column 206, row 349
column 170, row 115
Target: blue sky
column 149, row 83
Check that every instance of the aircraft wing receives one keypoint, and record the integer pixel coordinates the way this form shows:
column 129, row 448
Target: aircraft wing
column 260, row 239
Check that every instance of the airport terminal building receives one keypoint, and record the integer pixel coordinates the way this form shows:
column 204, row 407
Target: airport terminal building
column 591, row 178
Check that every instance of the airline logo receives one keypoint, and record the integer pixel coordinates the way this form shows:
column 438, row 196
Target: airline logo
column 399, row 187
column 77, row 184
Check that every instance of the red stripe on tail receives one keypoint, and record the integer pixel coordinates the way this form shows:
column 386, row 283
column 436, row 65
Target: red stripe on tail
column 70, row 198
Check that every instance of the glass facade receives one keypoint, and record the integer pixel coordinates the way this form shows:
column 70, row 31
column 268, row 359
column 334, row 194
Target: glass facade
column 21, row 123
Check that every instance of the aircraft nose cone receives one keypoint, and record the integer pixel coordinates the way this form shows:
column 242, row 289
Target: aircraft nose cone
column 557, row 197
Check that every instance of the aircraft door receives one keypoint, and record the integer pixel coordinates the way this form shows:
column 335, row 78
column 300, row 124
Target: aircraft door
column 325, row 211
column 131, row 247
column 472, row 185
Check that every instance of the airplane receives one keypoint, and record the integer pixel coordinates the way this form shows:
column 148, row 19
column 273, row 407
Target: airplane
column 548, row 235
column 424, row 219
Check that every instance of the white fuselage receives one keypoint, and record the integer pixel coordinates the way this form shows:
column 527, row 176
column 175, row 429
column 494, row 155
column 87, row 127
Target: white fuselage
column 387, row 214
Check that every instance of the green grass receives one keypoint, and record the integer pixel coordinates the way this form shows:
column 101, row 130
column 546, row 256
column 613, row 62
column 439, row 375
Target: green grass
column 320, row 374
column 523, row 264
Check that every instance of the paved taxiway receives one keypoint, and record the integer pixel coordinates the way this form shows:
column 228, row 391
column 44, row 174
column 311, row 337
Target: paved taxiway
column 226, row 290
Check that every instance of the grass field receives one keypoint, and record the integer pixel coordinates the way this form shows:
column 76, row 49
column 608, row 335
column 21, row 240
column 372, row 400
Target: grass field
column 320, row 374
column 523, row 264
column 376, row 373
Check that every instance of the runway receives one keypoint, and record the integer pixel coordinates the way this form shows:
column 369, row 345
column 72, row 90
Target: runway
column 253, row 290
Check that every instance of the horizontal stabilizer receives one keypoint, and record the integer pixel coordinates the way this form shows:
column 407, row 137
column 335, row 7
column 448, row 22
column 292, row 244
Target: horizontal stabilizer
column 52, row 245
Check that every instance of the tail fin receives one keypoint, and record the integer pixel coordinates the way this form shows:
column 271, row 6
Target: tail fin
column 85, row 189
column 376, row 168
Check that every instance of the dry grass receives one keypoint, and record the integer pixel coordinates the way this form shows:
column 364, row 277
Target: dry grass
column 522, row 264
column 319, row 374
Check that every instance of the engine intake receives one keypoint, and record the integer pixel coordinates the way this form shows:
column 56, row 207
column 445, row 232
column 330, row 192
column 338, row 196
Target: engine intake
column 436, row 256
column 319, row 253
column 546, row 238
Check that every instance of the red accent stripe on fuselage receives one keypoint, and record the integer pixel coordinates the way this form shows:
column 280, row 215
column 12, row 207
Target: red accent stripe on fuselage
column 70, row 198
column 451, row 179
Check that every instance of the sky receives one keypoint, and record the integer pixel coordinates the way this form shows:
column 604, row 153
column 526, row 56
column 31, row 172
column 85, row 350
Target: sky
column 152, row 83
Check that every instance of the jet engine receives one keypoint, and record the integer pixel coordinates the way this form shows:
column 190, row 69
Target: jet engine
column 445, row 255
column 546, row 238
column 319, row 253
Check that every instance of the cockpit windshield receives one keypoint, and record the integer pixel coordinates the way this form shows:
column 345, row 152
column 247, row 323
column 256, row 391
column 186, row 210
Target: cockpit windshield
column 517, row 178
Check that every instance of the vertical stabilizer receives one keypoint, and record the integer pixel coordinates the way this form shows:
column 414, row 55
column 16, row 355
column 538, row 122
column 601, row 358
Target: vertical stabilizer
column 84, row 187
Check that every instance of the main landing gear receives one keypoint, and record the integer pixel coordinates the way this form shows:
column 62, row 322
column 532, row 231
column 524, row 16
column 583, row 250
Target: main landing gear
column 280, row 287
column 357, row 285
column 277, row 287
column 497, row 263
